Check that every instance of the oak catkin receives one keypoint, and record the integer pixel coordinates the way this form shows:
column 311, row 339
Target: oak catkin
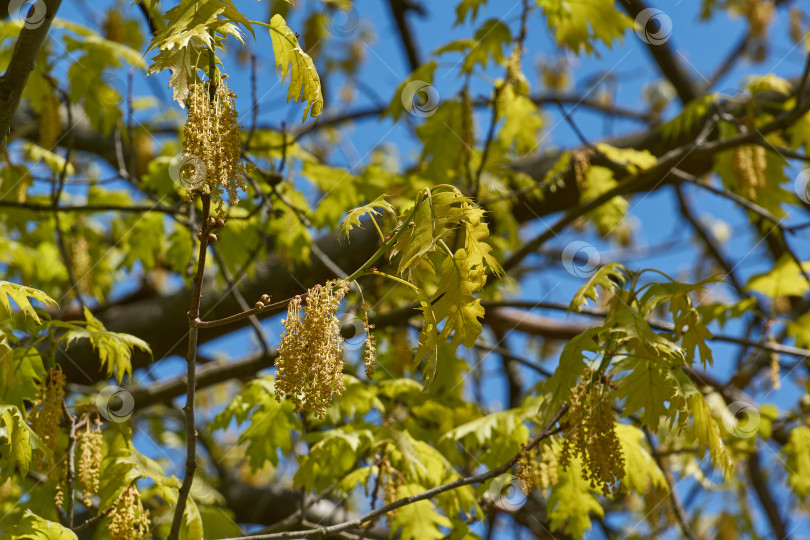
column 211, row 140
column 592, row 433
column 128, row 519
column 309, row 369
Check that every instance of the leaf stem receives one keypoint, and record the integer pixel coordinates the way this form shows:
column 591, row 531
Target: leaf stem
column 386, row 245
column 191, row 355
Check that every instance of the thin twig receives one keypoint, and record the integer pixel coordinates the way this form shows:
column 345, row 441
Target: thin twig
column 425, row 495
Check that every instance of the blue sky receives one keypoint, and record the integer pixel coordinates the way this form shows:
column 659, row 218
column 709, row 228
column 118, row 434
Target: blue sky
column 700, row 45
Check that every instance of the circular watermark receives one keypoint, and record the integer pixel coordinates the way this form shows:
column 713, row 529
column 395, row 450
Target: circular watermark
column 802, row 186
column 420, row 98
column 653, row 26
column 188, row 171
column 353, row 330
column 580, row 259
column 508, row 492
column 345, row 22
column 107, row 90
column 741, row 419
column 31, row 13
column 115, row 404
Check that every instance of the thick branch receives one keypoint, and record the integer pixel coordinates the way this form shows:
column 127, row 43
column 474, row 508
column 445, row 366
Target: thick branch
column 13, row 81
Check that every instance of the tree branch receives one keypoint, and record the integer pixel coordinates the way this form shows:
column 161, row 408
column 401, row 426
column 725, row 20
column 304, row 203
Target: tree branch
column 13, row 81
column 428, row 494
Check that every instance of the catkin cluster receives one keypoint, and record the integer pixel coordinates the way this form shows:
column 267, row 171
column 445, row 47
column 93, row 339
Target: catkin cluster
column 128, row 519
column 592, row 433
column 389, row 480
column 211, row 142
column 82, row 264
column 46, row 413
column 90, row 453
column 749, row 163
column 370, row 346
column 776, row 382
column 759, row 14
column 310, row 364
column 582, row 165
column 537, row 468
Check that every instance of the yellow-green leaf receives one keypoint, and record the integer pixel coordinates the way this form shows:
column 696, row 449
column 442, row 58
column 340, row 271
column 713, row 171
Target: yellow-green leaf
column 305, row 84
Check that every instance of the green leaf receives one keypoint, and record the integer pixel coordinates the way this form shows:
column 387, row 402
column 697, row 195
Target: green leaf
column 648, row 386
column 571, row 501
column 704, row 427
column 798, row 460
column 638, row 338
column 640, row 469
column 22, row 296
column 522, row 120
column 352, row 219
column 54, row 161
column 271, row 423
column 407, row 94
column 486, row 45
column 785, row 279
column 457, row 306
column 609, row 277
column 114, row 349
column 331, row 458
column 305, row 84
column 756, row 84
column 632, row 160
column 493, row 438
column 20, row 369
column 571, row 365
column 17, row 443
column 608, row 215
column 420, row 520
column 465, row 7
column 799, row 330
column 578, row 24
column 185, row 40
column 338, row 189
column 688, row 118
column 34, row 527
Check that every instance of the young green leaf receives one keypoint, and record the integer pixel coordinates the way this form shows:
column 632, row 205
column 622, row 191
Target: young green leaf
column 305, row 84
column 420, row 520
column 21, row 296
column 114, row 349
column 352, row 219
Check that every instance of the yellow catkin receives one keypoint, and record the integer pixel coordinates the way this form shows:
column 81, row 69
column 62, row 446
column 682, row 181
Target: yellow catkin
column 390, row 481
column 581, row 165
column 759, row 14
column 370, row 347
column 556, row 76
column 527, row 470
column 514, row 73
column 211, row 135
column 537, row 468
column 82, row 264
column 776, row 383
column 548, row 468
column 749, row 163
column 309, row 369
column 59, row 494
column 90, row 454
column 46, row 413
column 467, row 126
column 128, row 519
column 796, row 31
column 592, row 434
